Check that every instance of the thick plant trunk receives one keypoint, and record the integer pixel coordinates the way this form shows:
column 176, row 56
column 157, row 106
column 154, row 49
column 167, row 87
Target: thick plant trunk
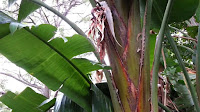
column 132, row 86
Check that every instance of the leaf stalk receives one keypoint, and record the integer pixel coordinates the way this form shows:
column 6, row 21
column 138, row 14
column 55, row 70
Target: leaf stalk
column 198, row 65
column 154, row 91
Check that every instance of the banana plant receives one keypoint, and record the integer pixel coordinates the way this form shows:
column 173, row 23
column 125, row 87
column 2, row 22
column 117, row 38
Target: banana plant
column 123, row 29
column 54, row 62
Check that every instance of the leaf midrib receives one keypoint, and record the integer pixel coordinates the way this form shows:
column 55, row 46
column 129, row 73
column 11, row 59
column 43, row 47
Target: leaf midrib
column 59, row 53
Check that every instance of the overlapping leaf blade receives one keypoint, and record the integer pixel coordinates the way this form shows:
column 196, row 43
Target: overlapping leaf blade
column 100, row 101
column 4, row 31
column 75, row 45
column 64, row 104
column 45, row 104
column 86, row 65
column 26, row 8
column 27, row 101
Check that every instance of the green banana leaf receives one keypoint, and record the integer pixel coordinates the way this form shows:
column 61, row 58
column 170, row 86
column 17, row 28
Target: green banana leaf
column 26, row 8
column 64, row 104
column 182, row 10
column 100, row 101
column 26, row 101
column 52, row 62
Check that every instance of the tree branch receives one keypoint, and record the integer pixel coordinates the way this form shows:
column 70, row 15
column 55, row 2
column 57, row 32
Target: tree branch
column 68, row 9
column 73, row 25
column 188, row 38
column 45, row 16
column 22, row 81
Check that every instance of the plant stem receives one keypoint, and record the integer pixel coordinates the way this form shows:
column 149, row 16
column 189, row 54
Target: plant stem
column 154, row 91
column 181, row 64
column 164, row 107
column 198, row 65
column 144, row 80
column 73, row 25
column 187, row 38
column 174, row 28
column 189, row 49
column 112, row 89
